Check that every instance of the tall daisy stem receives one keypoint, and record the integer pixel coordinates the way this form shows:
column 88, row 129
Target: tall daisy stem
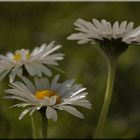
column 36, row 125
column 107, row 98
column 39, row 125
column 44, row 125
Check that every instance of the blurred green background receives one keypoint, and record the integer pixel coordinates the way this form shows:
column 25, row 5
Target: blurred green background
column 26, row 25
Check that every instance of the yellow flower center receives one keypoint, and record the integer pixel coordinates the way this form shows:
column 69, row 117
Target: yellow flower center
column 17, row 56
column 28, row 56
column 47, row 93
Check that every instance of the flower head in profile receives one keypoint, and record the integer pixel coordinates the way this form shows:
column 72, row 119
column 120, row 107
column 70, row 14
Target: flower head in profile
column 36, row 63
column 114, row 38
column 51, row 96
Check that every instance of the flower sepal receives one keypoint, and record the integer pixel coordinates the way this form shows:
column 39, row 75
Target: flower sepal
column 113, row 48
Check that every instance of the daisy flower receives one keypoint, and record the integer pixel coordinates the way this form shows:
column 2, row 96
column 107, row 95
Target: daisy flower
column 36, row 63
column 51, row 96
column 113, row 41
column 114, row 37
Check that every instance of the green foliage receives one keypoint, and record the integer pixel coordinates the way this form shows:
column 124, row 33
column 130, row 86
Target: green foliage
column 26, row 25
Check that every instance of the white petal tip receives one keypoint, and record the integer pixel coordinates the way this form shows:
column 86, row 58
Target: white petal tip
column 69, row 37
column 90, row 107
column 81, row 117
column 19, row 118
column 54, row 120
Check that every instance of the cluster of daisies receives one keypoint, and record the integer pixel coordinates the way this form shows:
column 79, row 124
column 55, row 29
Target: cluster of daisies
column 50, row 94
column 46, row 92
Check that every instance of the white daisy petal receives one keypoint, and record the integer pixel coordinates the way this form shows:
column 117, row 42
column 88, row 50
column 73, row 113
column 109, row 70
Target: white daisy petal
column 30, row 69
column 51, row 113
column 130, row 26
column 73, row 111
column 136, row 32
column 48, row 112
column 77, row 92
column 52, row 100
column 122, row 27
column 85, row 26
column 109, row 28
column 15, row 71
column 115, row 29
column 77, row 36
column 18, row 98
column 54, row 115
column 52, row 50
column 104, row 25
column 28, row 83
column 22, row 87
column 50, row 45
column 45, row 70
column 10, row 55
column 25, row 112
column 20, row 105
column 83, row 103
column 3, row 74
column 19, row 72
column 45, row 83
column 97, row 24
column 54, row 82
column 65, row 86
column 37, row 69
column 82, row 41
column 37, row 83
column 33, row 110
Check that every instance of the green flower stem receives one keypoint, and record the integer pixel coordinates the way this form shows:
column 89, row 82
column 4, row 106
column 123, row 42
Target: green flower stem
column 107, row 98
column 39, row 125
column 44, row 125
column 36, row 125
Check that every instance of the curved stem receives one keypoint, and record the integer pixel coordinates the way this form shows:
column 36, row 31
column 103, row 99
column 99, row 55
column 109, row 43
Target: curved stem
column 39, row 125
column 107, row 98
